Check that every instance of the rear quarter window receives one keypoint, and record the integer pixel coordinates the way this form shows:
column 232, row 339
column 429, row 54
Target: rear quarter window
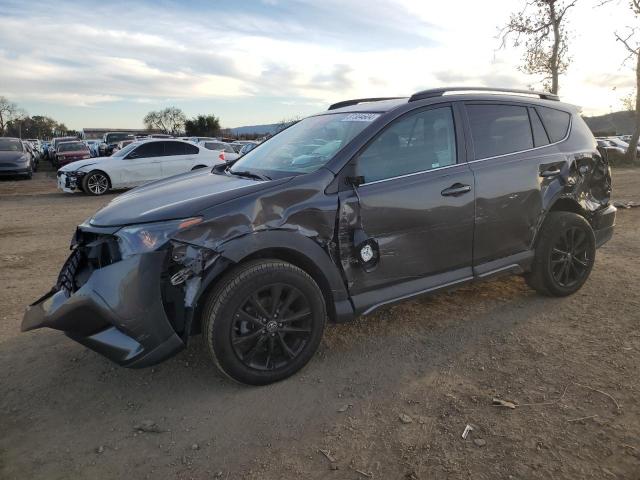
column 556, row 122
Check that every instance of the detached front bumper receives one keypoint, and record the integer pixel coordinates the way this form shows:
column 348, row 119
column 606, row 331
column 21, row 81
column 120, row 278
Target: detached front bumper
column 118, row 312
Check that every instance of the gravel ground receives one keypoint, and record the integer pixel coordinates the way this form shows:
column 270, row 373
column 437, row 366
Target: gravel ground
column 386, row 397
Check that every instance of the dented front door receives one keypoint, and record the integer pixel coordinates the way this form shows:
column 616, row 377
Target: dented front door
column 416, row 203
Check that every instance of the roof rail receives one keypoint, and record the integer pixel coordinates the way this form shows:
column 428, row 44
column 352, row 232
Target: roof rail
column 348, row 103
column 438, row 92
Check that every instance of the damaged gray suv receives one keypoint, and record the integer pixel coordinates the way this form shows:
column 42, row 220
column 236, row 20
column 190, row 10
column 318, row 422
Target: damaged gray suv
column 374, row 201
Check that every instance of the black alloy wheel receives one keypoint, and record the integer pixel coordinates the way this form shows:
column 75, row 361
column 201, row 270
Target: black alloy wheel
column 564, row 255
column 570, row 260
column 263, row 321
column 271, row 327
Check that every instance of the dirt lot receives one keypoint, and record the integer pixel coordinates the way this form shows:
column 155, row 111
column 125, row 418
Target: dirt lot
column 387, row 397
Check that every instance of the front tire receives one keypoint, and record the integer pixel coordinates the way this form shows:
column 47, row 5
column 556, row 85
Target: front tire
column 564, row 255
column 264, row 321
column 96, row 183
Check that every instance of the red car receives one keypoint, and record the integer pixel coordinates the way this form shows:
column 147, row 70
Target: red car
column 67, row 152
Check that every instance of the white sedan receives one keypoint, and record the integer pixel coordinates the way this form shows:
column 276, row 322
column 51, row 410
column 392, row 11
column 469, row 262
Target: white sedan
column 224, row 150
column 134, row 165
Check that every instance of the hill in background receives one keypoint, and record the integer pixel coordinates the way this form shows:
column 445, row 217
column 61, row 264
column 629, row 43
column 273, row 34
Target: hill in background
column 615, row 123
column 259, row 130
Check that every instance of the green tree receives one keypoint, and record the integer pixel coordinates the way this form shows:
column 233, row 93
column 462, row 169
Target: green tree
column 203, row 126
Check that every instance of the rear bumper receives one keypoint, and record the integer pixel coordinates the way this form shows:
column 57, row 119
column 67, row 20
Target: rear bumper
column 603, row 223
column 118, row 313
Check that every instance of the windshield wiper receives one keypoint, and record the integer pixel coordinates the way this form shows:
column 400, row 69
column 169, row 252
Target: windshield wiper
column 248, row 174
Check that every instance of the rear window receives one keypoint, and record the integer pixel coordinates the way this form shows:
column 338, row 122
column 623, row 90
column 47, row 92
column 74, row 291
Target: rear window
column 71, row 147
column 499, row 129
column 556, row 122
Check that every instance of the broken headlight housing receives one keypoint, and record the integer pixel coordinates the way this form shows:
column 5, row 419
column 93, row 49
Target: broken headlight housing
column 149, row 237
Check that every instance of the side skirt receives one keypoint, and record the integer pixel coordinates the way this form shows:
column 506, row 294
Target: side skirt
column 368, row 302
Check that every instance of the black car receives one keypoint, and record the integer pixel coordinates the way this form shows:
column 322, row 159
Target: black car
column 371, row 202
column 15, row 158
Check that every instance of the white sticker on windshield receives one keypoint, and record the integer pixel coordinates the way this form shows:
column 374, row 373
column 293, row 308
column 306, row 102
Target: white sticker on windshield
column 360, row 117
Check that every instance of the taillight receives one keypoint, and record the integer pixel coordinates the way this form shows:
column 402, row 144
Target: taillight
column 221, row 156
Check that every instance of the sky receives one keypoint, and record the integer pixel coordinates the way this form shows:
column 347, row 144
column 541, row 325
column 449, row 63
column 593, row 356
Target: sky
column 108, row 63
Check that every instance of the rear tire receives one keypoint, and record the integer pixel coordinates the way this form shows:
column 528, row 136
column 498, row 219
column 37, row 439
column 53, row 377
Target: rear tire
column 263, row 321
column 564, row 255
column 96, row 183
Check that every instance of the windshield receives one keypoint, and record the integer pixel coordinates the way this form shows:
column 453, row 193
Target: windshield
column 124, row 151
column 117, row 137
column 71, row 147
column 7, row 145
column 305, row 146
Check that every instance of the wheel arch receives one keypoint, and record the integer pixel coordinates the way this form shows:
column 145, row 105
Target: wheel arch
column 560, row 204
column 93, row 170
column 291, row 247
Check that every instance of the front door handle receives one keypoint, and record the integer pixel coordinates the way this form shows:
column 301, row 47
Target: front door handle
column 551, row 172
column 455, row 190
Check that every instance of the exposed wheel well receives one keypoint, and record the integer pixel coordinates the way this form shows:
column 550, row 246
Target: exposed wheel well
column 567, row 205
column 198, row 167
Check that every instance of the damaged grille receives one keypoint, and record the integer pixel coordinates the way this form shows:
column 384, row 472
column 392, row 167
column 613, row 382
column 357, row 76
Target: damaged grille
column 91, row 252
column 66, row 277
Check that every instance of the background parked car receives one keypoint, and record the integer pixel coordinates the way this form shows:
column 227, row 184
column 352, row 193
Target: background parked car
column 123, row 144
column 94, row 147
column 34, row 156
column 51, row 151
column 225, row 151
column 67, row 152
column 136, row 164
column 247, row 147
column 14, row 158
column 111, row 139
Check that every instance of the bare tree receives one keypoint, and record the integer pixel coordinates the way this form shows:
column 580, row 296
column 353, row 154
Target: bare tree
column 286, row 123
column 541, row 27
column 170, row 120
column 631, row 42
column 8, row 111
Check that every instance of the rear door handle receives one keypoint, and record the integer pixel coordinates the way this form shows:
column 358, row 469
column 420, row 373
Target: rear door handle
column 455, row 190
column 552, row 172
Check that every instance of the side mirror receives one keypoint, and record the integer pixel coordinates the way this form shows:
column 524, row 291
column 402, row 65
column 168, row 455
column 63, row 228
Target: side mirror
column 132, row 155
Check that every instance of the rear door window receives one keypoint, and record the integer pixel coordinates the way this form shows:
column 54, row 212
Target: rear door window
column 151, row 149
column 556, row 122
column 190, row 149
column 174, row 148
column 499, row 129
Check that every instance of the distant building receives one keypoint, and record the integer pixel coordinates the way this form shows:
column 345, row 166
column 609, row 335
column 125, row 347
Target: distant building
column 97, row 133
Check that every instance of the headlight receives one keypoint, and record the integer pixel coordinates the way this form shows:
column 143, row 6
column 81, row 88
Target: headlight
column 23, row 159
column 150, row 236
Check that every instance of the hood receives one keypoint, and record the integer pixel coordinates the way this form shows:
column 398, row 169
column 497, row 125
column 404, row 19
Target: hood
column 78, row 164
column 9, row 157
column 181, row 196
